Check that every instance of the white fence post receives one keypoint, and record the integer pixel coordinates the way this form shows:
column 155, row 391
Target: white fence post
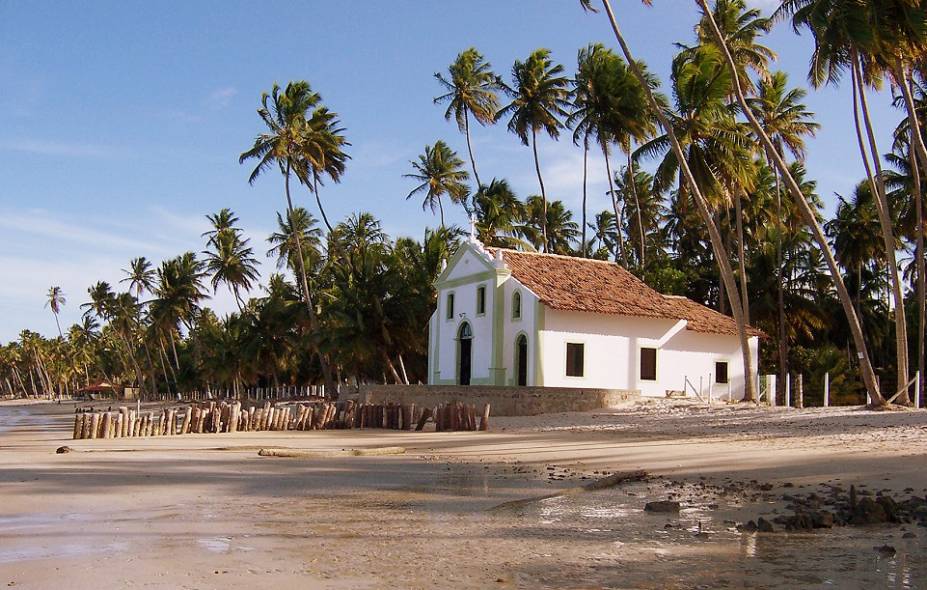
column 826, row 389
column 788, row 390
column 771, row 389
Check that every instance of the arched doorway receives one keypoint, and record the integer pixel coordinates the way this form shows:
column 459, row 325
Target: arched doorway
column 464, row 353
column 521, row 360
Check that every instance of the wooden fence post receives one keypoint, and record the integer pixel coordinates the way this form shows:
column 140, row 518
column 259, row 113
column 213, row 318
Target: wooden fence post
column 799, row 391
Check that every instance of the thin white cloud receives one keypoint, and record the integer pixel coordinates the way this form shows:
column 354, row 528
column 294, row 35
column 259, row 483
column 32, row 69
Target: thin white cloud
column 60, row 148
column 221, row 97
column 39, row 223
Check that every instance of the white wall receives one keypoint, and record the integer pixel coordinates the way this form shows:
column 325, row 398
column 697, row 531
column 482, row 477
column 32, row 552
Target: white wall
column 612, row 353
column 512, row 328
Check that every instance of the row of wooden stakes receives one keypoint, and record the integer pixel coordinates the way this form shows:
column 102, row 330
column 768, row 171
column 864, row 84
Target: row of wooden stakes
column 215, row 417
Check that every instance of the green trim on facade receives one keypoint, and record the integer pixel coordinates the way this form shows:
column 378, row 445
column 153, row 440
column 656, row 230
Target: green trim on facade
column 538, row 328
column 497, row 369
column 474, row 278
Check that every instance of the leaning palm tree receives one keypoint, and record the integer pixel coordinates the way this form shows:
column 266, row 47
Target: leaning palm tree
column 281, row 146
column 787, row 121
column 471, row 90
column 540, row 100
column 439, row 172
column 808, row 214
column 727, row 274
column 55, row 301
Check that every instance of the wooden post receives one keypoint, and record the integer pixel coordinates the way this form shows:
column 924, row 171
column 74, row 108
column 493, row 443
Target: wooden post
column 78, row 426
column 799, row 391
column 484, row 422
column 826, row 389
column 124, row 422
column 120, row 425
column 107, row 418
column 234, row 417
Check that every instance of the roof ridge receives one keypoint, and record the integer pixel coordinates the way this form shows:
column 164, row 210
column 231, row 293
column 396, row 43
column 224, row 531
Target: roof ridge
column 564, row 256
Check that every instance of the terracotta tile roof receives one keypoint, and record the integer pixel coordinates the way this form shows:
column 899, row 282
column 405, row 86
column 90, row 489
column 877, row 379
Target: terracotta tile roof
column 595, row 286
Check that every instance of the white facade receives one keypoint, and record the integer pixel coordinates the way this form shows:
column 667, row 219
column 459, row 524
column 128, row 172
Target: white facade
column 611, row 344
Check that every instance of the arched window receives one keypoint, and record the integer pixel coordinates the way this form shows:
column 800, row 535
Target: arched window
column 516, row 306
column 465, row 332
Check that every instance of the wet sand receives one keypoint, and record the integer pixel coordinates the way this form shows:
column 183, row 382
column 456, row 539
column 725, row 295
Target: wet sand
column 204, row 511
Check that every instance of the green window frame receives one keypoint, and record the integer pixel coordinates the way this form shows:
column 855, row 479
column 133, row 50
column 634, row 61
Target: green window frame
column 449, row 305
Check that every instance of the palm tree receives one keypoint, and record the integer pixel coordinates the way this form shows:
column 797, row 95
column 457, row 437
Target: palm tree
column 440, row 172
column 222, row 222
column 56, row 300
column 562, row 231
column 787, row 122
column 539, row 102
column 284, row 115
column 299, row 227
column 232, row 262
column 498, row 214
column 323, row 144
column 808, row 214
column 727, row 274
column 471, row 90
column 141, row 276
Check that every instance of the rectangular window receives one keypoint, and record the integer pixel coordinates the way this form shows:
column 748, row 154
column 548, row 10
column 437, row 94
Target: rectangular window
column 516, row 306
column 721, row 372
column 481, row 300
column 649, row 364
column 574, row 359
column 450, row 306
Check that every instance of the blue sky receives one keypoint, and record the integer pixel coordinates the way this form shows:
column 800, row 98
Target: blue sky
column 121, row 122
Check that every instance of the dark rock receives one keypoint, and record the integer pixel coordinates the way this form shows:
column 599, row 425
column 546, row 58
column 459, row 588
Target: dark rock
column 885, row 550
column 909, row 536
column 764, row 526
column 63, row 450
column 868, row 511
column 662, row 506
column 750, row 527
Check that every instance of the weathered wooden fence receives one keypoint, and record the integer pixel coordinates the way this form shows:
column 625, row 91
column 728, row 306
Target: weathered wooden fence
column 216, row 417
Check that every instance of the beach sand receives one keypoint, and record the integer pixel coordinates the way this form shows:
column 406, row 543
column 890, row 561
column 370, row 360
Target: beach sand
column 205, row 511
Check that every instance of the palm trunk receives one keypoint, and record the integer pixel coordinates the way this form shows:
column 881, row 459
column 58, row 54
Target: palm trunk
column 164, row 353
column 722, row 291
column 307, row 297
column 780, row 292
column 637, row 206
column 402, row 367
column 877, row 182
column 537, row 168
column 808, row 214
column 745, row 296
column 57, row 323
column 920, row 263
column 918, row 158
column 476, row 175
column 318, row 200
column 174, row 350
column 614, row 197
column 727, row 273
column 585, row 174
column 441, row 210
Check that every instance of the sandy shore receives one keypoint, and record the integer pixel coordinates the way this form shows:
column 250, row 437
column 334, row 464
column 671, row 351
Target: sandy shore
column 204, row 511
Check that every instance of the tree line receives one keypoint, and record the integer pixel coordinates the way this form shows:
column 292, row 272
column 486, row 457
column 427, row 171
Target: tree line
column 708, row 197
